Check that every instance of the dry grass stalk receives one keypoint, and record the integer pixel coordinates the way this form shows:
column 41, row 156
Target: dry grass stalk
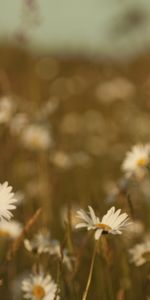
column 16, row 244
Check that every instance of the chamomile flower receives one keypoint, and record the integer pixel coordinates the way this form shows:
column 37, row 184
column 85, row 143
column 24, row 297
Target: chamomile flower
column 11, row 229
column 7, row 201
column 137, row 160
column 112, row 222
column 39, row 287
column 140, row 253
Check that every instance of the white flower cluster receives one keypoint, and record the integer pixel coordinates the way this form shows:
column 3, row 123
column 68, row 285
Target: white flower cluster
column 42, row 243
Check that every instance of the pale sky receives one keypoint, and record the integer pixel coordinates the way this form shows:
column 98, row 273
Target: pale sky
column 79, row 26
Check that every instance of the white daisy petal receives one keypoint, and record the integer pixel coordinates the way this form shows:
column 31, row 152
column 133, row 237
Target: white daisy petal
column 7, row 201
column 98, row 234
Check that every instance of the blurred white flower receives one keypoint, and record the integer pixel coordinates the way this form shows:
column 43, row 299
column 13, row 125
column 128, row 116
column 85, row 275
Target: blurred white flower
column 18, row 123
column 118, row 88
column 137, row 161
column 69, row 213
column 49, row 107
column 11, row 229
column 39, row 287
column 140, row 253
column 20, row 196
column 67, row 161
column 7, row 108
column 36, row 137
column 135, row 230
column 41, row 243
column 112, row 222
column 61, row 160
column 7, row 201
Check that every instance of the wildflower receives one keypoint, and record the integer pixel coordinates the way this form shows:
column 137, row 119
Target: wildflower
column 39, row 287
column 112, row 222
column 11, row 229
column 137, row 160
column 36, row 137
column 140, row 253
column 41, row 243
column 7, row 201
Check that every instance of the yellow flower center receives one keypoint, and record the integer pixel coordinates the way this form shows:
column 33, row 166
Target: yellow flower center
column 104, row 227
column 142, row 162
column 35, row 141
column 38, row 292
column 4, row 233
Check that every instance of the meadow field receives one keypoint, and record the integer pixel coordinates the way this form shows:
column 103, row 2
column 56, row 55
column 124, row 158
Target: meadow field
column 75, row 142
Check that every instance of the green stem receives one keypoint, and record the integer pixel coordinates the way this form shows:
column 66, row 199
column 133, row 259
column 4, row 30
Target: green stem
column 84, row 297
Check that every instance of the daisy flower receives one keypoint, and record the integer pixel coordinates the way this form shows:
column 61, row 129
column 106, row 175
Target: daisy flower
column 39, row 287
column 137, row 160
column 112, row 222
column 7, row 201
column 140, row 253
column 41, row 243
column 11, row 229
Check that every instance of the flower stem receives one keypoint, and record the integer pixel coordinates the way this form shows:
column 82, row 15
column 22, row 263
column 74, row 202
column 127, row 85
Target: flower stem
column 84, row 297
column 130, row 205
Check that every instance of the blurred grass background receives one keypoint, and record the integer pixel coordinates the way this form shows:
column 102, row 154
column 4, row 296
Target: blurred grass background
column 100, row 110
